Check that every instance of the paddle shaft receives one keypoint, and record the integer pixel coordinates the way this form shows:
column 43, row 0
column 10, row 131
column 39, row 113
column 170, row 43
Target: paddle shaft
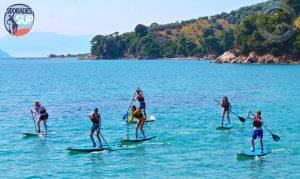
column 127, row 113
column 105, row 141
column 131, row 103
column 33, row 121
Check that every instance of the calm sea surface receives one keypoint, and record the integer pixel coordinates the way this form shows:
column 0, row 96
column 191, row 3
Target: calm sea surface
column 179, row 94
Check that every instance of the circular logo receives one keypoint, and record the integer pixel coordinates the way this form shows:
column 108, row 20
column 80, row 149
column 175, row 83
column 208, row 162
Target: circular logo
column 18, row 19
column 277, row 24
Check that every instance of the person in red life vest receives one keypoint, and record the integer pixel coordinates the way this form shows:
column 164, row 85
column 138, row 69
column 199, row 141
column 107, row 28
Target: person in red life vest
column 96, row 120
column 226, row 107
column 40, row 110
column 140, row 98
column 137, row 113
column 258, row 132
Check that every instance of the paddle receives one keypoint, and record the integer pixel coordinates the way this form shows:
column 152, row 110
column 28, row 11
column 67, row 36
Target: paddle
column 275, row 137
column 105, row 141
column 125, row 116
column 33, row 120
column 240, row 118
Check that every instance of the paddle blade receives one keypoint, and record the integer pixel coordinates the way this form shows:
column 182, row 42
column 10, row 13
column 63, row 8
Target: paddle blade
column 242, row 119
column 275, row 137
column 125, row 116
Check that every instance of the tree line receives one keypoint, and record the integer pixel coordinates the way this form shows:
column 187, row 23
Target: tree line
column 206, row 36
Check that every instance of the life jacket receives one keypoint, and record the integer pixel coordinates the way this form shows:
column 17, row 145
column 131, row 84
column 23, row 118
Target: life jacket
column 42, row 111
column 225, row 104
column 140, row 98
column 139, row 114
column 257, row 122
column 95, row 119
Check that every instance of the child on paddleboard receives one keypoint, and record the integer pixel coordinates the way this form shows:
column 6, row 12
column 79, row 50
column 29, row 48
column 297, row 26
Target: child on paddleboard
column 258, row 132
column 137, row 113
column 140, row 98
column 226, row 107
column 96, row 120
column 40, row 110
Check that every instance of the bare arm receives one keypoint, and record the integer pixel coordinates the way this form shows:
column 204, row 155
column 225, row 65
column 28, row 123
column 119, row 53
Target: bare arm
column 250, row 117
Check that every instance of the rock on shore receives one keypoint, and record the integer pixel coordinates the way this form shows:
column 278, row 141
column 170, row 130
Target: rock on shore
column 233, row 57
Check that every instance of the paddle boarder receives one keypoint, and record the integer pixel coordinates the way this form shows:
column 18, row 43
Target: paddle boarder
column 226, row 108
column 96, row 120
column 140, row 98
column 137, row 113
column 258, row 132
column 40, row 110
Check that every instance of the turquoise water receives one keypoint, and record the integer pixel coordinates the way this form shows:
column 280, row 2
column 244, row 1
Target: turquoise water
column 179, row 93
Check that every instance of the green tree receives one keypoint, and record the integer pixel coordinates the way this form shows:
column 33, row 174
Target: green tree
column 141, row 30
column 228, row 39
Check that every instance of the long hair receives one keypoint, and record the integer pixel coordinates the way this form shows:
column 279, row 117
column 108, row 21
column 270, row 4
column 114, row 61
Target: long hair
column 225, row 102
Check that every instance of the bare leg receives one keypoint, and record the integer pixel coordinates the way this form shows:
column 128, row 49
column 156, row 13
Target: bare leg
column 99, row 139
column 39, row 125
column 142, row 128
column 252, row 145
column 223, row 114
column 137, row 129
column 261, row 144
column 228, row 117
column 45, row 125
column 92, row 138
column 144, row 111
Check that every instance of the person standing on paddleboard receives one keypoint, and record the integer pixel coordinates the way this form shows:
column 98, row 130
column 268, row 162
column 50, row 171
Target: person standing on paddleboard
column 258, row 132
column 226, row 107
column 40, row 110
column 96, row 120
column 137, row 113
column 140, row 98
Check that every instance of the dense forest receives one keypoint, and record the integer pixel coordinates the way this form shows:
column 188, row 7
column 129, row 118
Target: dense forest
column 208, row 36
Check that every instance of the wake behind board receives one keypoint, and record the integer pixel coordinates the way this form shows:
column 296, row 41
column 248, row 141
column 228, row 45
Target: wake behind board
column 225, row 127
column 257, row 153
column 86, row 149
column 138, row 140
column 38, row 134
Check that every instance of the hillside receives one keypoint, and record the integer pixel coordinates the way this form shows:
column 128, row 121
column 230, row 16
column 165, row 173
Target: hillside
column 199, row 38
column 4, row 54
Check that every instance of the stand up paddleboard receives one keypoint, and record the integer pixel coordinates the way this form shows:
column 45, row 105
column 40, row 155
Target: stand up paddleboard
column 225, row 127
column 138, row 140
column 38, row 134
column 257, row 153
column 86, row 149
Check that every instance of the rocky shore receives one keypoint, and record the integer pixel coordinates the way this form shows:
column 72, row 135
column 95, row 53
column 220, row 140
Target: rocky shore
column 253, row 58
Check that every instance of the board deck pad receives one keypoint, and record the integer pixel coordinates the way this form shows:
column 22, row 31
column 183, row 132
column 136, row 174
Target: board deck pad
column 138, row 140
column 225, row 127
column 257, row 152
column 94, row 149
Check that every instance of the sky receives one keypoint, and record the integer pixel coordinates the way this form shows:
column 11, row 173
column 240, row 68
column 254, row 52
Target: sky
column 92, row 17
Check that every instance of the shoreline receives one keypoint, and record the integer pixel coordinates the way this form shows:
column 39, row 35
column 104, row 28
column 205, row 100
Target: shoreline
column 232, row 57
column 226, row 58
